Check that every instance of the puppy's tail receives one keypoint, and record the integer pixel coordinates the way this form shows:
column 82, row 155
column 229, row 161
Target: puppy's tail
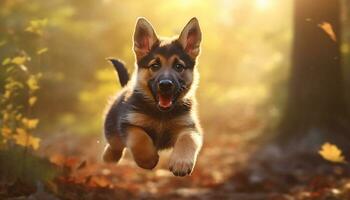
column 122, row 72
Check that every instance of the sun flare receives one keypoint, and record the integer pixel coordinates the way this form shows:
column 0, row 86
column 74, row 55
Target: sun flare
column 262, row 4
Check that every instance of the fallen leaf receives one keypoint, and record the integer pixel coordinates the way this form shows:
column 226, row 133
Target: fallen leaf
column 82, row 165
column 328, row 29
column 71, row 161
column 57, row 159
column 331, row 153
column 99, row 181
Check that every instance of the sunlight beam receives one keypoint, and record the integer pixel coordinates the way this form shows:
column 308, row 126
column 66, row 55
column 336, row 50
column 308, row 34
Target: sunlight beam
column 262, row 4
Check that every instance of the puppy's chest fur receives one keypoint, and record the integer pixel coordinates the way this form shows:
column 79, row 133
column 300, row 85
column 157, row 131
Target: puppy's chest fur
column 162, row 131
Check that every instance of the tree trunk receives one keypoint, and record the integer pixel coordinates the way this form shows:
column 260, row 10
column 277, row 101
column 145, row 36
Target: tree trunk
column 316, row 101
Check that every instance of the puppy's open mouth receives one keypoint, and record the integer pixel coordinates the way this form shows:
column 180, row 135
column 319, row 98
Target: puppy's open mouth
column 165, row 101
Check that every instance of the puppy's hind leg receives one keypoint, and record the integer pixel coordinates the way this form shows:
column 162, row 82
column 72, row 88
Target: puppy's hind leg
column 114, row 150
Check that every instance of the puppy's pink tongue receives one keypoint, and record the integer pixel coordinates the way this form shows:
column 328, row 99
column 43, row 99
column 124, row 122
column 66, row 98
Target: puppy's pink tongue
column 165, row 102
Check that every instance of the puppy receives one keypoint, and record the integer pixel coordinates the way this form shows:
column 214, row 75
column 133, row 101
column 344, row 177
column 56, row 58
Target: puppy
column 156, row 109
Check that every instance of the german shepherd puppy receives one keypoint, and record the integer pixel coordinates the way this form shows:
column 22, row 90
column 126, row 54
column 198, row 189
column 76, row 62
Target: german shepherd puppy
column 156, row 108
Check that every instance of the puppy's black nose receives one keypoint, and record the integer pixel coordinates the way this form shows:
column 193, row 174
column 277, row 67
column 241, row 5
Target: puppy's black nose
column 165, row 85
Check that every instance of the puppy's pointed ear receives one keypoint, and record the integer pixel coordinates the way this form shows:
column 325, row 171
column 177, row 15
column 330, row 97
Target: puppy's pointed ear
column 144, row 37
column 190, row 38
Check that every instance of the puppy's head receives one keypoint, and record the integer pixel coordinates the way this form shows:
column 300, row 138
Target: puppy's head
column 166, row 68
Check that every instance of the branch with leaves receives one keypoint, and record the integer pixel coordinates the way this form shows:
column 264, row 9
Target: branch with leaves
column 18, row 95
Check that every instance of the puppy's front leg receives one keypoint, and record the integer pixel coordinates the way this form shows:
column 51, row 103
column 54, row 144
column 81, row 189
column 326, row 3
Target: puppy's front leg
column 184, row 155
column 141, row 146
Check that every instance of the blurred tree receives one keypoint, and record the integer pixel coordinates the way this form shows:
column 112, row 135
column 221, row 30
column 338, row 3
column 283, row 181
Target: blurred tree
column 316, row 110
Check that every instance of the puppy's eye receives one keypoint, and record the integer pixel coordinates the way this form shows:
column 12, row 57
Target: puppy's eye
column 154, row 67
column 179, row 67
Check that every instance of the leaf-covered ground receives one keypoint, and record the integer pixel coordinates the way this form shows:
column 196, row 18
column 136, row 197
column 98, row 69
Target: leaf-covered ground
column 224, row 171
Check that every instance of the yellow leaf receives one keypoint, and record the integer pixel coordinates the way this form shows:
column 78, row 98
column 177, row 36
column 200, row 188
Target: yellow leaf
column 32, row 100
column 327, row 28
column 41, row 51
column 5, row 116
column 30, row 123
column 36, row 26
column 12, row 84
column 38, row 22
column 19, row 60
column 24, row 68
column 331, row 153
column 7, row 94
column 34, row 142
column 6, row 132
column 32, row 83
column 18, row 116
column 22, row 138
column 6, row 61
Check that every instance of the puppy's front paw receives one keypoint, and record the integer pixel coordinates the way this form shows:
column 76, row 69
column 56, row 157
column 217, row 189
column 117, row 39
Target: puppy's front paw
column 181, row 165
column 149, row 162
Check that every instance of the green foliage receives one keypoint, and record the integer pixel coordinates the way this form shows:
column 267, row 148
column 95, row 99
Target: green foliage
column 30, row 168
column 19, row 85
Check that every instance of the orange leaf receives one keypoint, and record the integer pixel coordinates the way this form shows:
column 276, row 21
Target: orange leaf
column 100, row 181
column 327, row 28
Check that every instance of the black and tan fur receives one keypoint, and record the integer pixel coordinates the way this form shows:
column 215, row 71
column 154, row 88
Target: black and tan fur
column 135, row 120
